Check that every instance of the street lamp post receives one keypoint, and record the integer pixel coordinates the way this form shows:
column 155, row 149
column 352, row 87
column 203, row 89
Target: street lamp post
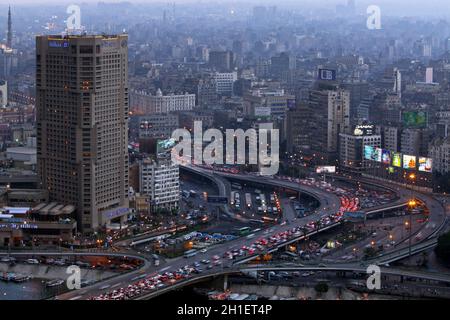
column 412, row 178
column 411, row 205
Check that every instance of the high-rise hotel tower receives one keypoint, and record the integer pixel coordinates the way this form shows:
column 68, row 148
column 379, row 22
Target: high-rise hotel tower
column 82, row 125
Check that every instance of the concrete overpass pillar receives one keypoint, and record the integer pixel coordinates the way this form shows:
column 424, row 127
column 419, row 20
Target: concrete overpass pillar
column 225, row 282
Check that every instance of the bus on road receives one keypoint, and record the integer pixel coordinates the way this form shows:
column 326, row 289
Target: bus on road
column 236, row 185
column 248, row 200
column 243, row 231
column 263, row 203
column 237, row 201
column 190, row 253
column 232, row 197
column 192, row 193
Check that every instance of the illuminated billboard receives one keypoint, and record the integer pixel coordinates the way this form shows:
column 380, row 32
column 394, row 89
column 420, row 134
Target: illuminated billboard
column 58, row 43
column 326, row 169
column 363, row 130
column 369, row 152
column 409, row 162
column 377, row 154
column 397, row 159
column 415, row 119
column 386, row 157
column 425, row 164
column 327, row 74
column 164, row 146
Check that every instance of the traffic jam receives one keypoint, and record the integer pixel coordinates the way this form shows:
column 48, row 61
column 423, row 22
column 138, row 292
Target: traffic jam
column 158, row 281
column 161, row 280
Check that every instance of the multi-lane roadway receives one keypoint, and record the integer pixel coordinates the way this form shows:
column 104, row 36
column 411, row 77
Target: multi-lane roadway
column 330, row 204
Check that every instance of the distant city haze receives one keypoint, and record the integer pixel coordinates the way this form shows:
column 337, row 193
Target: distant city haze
column 436, row 8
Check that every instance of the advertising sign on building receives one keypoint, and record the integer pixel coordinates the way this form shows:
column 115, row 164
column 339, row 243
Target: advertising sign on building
column 262, row 112
column 326, row 169
column 327, row 74
column 409, row 162
column 425, row 164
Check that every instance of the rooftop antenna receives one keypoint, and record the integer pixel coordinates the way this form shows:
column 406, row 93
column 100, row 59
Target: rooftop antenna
column 9, row 35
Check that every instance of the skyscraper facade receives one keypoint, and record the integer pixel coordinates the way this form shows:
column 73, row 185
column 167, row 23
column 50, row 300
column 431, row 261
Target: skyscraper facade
column 82, row 125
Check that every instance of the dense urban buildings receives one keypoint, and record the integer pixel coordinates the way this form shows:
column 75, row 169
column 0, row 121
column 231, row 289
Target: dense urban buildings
column 149, row 104
column 133, row 141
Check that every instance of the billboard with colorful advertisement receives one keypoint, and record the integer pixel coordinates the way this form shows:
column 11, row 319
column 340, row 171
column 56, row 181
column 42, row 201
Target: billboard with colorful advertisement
column 386, row 157
column 425, row 164
column 369, row 152
column 397, row 159
column 377, row 154
column 163, row 147
column 326, row 169
column 415, row 119
column 409, row 162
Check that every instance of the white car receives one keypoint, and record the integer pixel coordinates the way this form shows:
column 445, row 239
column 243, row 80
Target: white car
column 32, row 261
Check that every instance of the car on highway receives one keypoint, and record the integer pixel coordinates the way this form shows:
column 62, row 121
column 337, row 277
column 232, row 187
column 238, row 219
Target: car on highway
column 60, row 262
column 7, row 259
column 32, row 261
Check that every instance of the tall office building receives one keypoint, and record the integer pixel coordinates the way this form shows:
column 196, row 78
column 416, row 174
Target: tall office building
column 3, row 93
column 359, row 90
column 330, row 118
column 281, row 65
column 8, row 58
column 391, row 138
column 397, row 75
column 221, row 61
column 440, row 153
column 82, row 125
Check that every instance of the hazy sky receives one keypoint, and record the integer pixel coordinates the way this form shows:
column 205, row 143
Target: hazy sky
column 395, row 7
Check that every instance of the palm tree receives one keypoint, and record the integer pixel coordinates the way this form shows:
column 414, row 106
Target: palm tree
column 304, row 230
column 318, row 224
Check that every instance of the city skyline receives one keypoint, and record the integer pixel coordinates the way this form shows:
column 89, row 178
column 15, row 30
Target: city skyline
column 238, row 151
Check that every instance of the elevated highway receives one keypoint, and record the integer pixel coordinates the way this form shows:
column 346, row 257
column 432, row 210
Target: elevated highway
column 253, row 270
column 331, row 200
column 329, row 204
column 9, row 179
column 39, row 253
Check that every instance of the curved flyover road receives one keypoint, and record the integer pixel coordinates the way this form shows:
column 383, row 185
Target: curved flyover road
column 330, row 204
